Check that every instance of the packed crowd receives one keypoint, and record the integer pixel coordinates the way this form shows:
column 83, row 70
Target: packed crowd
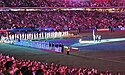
column 61, row 3
column 61, row 19
column 11, row 66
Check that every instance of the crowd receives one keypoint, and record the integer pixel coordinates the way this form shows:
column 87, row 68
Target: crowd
column 61, row 3
column 11, row 66
column 61, row 20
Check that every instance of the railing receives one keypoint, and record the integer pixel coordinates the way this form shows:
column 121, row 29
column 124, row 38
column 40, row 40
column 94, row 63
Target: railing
column 101, row 9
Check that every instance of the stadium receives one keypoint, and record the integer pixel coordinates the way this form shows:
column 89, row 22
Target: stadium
column 62, row 37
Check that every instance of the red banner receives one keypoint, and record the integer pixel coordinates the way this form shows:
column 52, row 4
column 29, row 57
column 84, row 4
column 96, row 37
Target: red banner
column 3, row 31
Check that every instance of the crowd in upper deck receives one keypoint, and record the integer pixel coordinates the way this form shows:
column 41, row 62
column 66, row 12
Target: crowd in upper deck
column 61, row 3
column 61, row 19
